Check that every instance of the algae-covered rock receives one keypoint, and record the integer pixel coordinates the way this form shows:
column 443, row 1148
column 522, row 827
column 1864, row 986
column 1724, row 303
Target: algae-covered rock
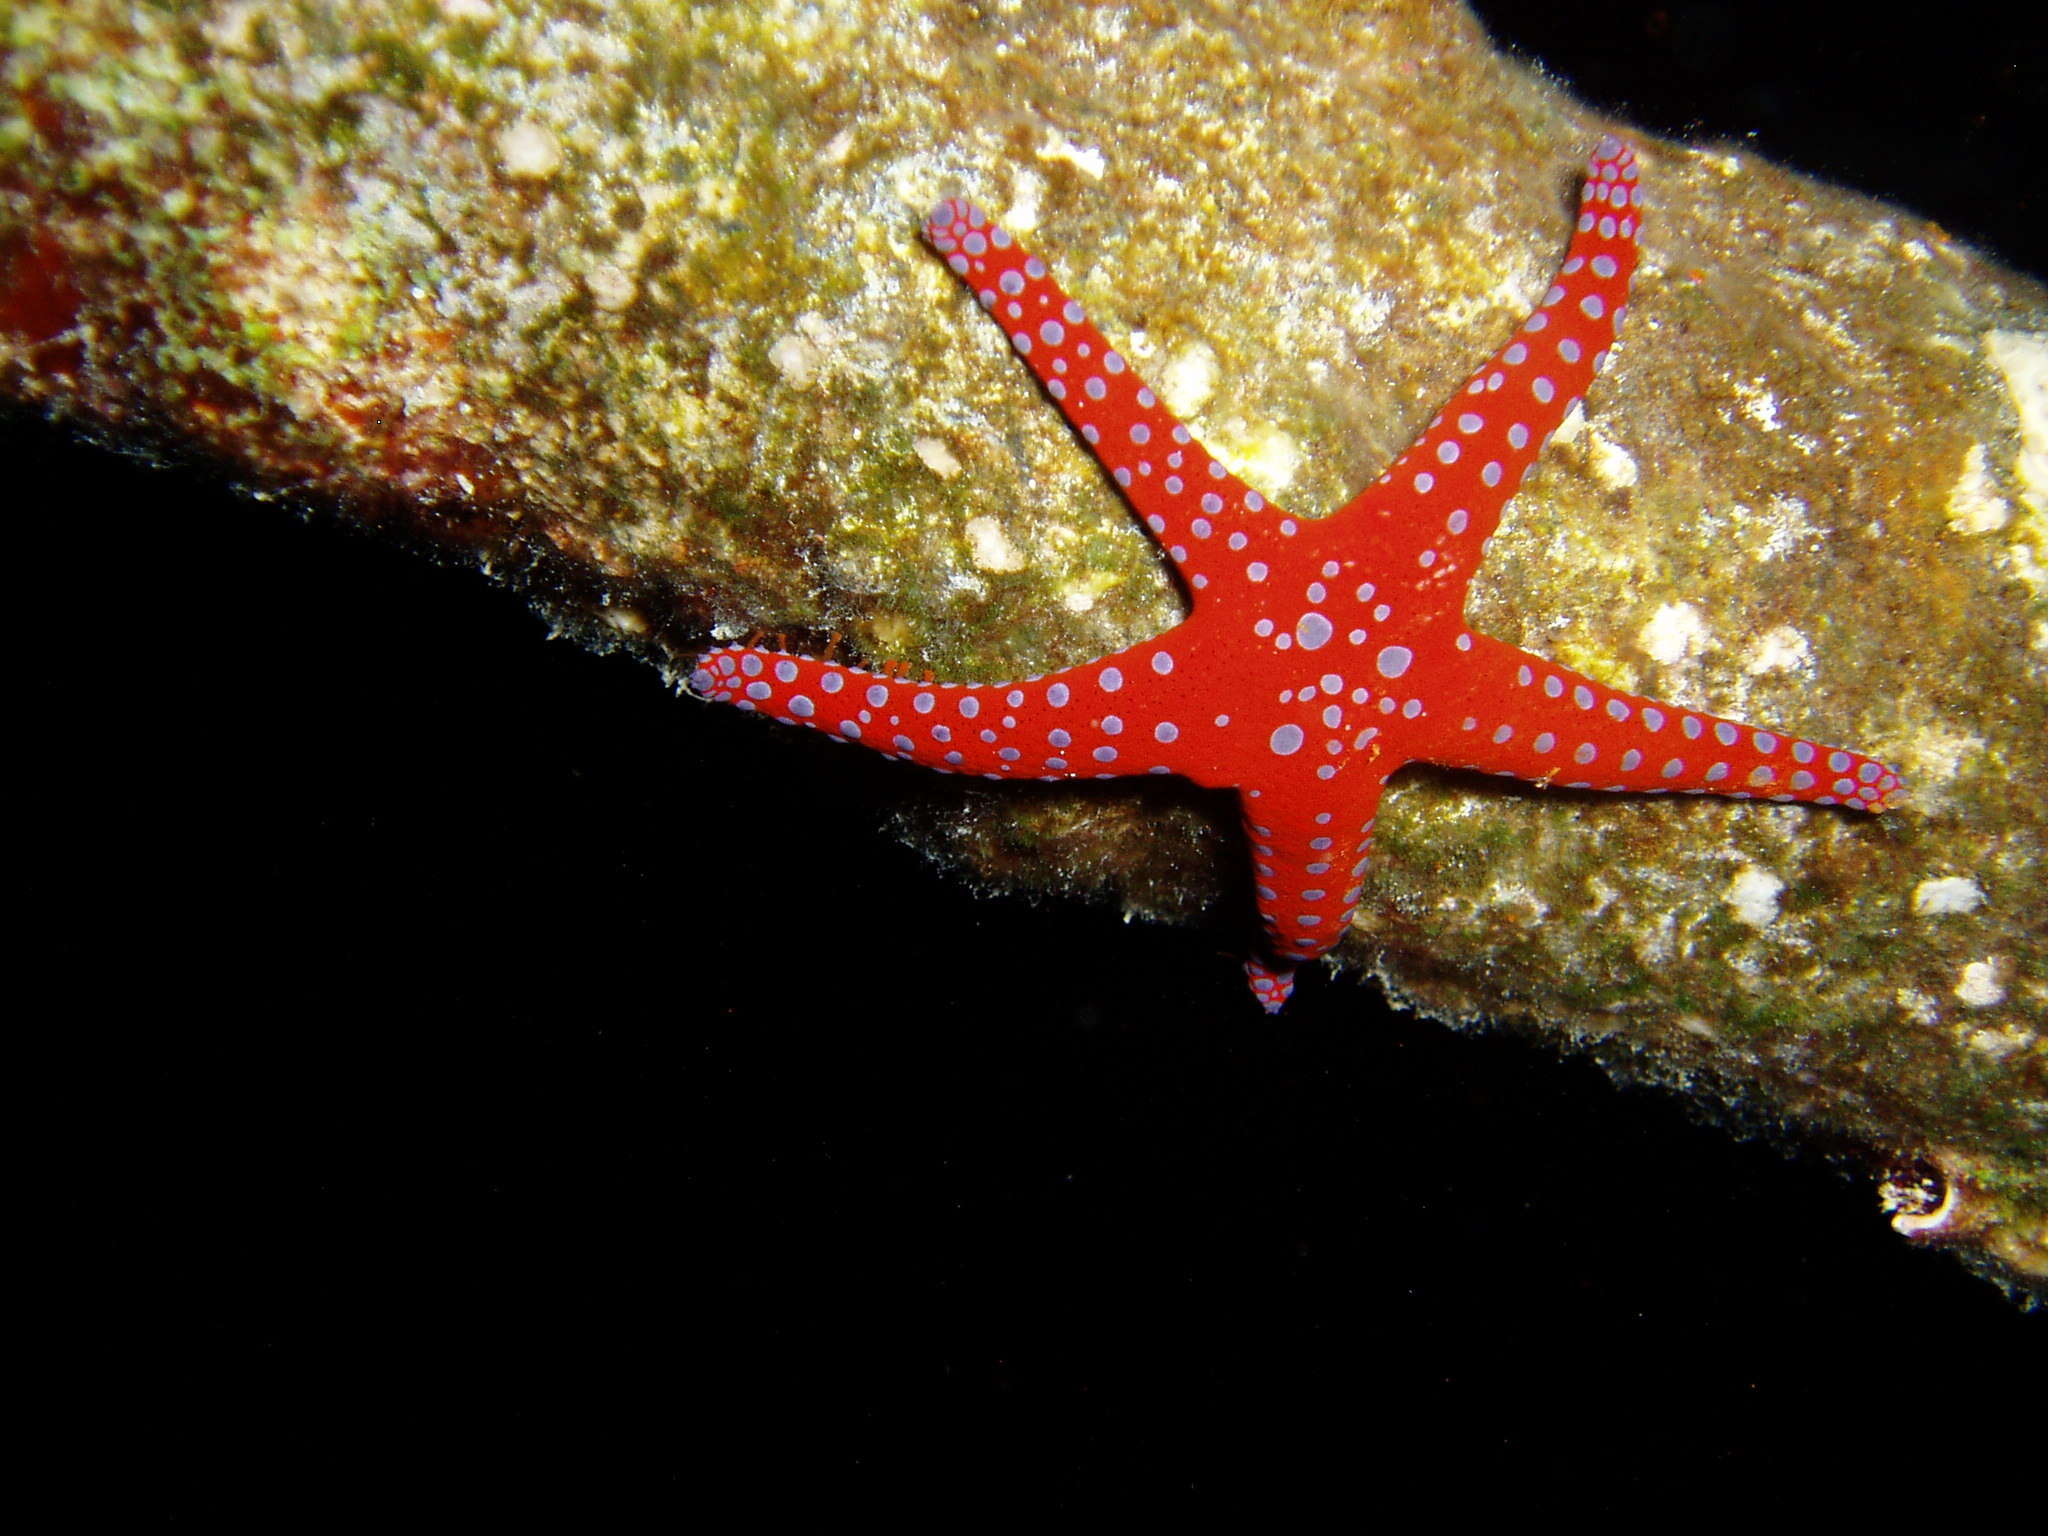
column 630, row 304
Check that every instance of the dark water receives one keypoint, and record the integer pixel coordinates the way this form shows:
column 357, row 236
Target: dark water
column 1941, row 109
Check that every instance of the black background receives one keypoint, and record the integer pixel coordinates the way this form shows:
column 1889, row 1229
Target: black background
column 481, row 1071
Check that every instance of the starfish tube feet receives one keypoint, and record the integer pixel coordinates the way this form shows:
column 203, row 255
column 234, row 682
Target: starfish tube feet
column 1318, row 656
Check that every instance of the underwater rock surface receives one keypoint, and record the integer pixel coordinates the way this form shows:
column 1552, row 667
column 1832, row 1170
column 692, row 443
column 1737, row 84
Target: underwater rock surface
column 636, row 315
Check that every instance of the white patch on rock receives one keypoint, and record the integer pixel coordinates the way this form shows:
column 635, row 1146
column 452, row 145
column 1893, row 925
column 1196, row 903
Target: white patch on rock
column 1026, row 188
column 530, row 303
column 2000, row 1043
column 1949, row 893
column 1918, row 1006
column 1980, row 986
column 992, row 548
column 1189, row 378
column 2029, row 569
column 1086, row 159
column 528, row 151
column 1782, row 649
column 1613, row 465
column 2022, row 356
column 799, row 355
column 1759, row 405
column 627, row 621
column 1938, row 752
column 1753, row 894
column 1513, row 895
column 1262, row 456
column 936, row 456
column 1974, row 505
column 234, row 30
column 1783, row 526
column 1674, row 633
column 796, row 360
column 611, row 286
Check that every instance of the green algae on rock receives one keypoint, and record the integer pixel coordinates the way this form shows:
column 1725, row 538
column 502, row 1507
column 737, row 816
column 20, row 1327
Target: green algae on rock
column 637, row 307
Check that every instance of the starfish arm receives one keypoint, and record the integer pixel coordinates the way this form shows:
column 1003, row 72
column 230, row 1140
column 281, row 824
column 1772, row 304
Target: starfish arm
column 1429, row 517
column 1098, row 720
column 1306, row 867
column 1505, row 711
column 1201, row 513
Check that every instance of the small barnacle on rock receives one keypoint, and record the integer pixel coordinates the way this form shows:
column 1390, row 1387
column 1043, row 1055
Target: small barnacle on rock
column 1915, row 1196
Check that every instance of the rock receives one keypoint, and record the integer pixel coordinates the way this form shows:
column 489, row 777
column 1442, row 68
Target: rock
column 637, row 317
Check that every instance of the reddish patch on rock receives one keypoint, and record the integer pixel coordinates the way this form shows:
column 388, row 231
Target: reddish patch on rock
column 38, row 301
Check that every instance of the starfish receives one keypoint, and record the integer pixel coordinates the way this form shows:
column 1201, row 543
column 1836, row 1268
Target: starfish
column 1319, row 655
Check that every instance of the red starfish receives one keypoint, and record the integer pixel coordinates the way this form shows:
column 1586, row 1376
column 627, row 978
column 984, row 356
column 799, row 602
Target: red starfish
column 1320, row 655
